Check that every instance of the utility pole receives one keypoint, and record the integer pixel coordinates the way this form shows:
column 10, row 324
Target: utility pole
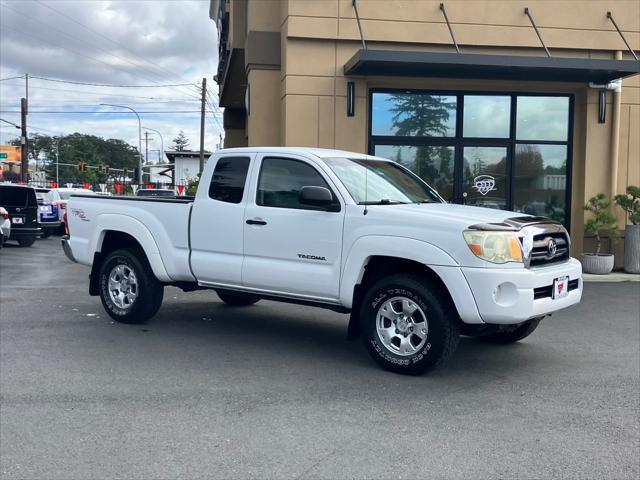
column 23, row 141
column 146, row 154
column 202, row 105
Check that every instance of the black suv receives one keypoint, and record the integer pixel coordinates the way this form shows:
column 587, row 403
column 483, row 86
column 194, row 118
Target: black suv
column 21, row 204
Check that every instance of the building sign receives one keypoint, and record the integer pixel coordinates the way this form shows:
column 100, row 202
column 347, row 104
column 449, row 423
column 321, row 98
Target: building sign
column 484, row 184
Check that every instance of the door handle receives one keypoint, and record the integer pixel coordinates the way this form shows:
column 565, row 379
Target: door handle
column 256, row 222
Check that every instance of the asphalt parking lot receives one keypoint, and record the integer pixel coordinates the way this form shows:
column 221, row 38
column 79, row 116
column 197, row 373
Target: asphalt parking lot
column 275, row 391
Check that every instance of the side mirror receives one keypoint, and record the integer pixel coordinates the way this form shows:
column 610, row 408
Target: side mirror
column 317, row 197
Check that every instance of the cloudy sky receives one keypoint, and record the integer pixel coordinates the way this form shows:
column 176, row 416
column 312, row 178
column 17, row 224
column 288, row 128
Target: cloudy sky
column 148, row 44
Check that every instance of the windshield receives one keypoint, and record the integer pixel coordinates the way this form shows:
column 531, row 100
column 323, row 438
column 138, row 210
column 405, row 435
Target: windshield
column 386, row 182
column 66, row 194
column 42, row 196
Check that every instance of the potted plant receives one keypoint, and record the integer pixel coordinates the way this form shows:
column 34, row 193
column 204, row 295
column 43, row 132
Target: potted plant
column 602, row 223
column 630, row 203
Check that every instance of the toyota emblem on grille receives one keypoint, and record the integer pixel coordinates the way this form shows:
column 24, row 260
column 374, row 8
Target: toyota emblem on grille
column 552, row 248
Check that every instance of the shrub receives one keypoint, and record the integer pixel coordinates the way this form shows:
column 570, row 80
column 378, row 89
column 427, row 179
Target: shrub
column 603, row 221
column 630, row 203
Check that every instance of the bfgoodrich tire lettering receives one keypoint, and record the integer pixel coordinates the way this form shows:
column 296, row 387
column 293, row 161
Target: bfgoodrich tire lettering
column 441, row 328
column 148, row 291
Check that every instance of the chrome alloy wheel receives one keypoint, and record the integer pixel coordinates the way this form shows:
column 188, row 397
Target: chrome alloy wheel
column 123, row 286
column 402, row 326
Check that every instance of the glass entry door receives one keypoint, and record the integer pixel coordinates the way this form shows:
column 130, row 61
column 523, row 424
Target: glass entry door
column 484, row 176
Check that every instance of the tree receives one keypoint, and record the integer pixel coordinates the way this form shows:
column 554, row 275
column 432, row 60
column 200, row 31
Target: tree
column 181, row 142
column 78, row 147
column 425, row 115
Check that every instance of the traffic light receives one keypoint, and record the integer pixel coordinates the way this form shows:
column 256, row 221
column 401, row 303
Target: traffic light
column 103, row 168
column 82, row 167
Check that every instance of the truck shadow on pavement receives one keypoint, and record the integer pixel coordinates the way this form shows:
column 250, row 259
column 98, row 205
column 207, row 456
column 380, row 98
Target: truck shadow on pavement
column 271, row 333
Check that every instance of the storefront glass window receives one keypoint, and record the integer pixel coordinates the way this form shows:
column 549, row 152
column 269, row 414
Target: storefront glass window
column 433, row 164
column 540, row 180
column 510, row 151
column 484, row 177
column 542, row 118
column 413, row 115
column 486, row 116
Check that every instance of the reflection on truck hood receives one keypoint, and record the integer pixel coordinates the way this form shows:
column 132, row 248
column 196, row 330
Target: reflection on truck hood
column 463, row 215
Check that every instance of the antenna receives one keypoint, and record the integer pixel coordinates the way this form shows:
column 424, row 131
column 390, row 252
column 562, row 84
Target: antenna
column 366, row 186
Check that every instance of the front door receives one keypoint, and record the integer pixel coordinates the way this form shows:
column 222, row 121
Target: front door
column 290, row 247
column 483, row 176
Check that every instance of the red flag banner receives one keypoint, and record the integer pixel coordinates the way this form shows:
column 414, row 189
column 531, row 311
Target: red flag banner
column 86, row 185
column 180, row 189
column 118, row 188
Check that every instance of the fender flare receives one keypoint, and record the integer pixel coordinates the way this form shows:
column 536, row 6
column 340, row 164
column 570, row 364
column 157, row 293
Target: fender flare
column 135, row 228
column 386, row 246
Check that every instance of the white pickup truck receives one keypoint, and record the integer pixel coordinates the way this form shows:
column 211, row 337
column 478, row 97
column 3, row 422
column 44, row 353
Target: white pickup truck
column 334, row 229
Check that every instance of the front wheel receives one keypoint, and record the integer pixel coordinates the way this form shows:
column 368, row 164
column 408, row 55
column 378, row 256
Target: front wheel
column 129, row 290
column 26, row 241
column 512, row 335
column 236, row 299
column 407, row 324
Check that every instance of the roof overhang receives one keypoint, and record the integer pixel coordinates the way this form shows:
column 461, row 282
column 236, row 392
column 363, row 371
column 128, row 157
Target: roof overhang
column 495, row 67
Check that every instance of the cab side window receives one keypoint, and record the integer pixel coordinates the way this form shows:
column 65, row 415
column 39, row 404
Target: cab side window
column 229, row 178
column 281, row 180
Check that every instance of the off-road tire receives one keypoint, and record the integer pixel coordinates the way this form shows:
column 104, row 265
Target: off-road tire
column 512, row 335
column 234, row 299
column 149, row 290
column 26, row 241
column 443, row 328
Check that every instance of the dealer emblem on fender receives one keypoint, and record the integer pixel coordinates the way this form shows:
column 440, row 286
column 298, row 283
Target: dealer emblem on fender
column 484, row 184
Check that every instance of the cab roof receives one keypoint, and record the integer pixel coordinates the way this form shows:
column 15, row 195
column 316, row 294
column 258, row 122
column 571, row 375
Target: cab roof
column 320, row 153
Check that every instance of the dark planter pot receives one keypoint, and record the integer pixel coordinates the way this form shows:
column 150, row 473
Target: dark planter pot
column 598, row 264
column 632, row 249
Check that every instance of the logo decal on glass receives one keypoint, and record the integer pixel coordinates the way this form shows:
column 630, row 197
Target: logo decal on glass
column 484, row 184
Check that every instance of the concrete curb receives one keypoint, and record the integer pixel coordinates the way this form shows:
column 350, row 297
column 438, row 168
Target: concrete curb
column 612, row 277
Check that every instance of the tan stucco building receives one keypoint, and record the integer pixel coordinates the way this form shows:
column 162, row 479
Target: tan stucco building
column 499, row 123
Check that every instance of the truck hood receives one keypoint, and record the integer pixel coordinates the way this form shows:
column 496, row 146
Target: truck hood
column 462, row 215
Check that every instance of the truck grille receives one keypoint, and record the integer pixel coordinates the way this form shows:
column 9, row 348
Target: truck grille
column 547, row 292
column 549, row 248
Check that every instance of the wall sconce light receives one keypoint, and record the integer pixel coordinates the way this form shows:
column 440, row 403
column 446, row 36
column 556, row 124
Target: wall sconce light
column 351, row 99
column 602, row 105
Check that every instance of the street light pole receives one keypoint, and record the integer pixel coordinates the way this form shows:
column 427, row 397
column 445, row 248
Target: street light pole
column 161, row 141
column 139, row 137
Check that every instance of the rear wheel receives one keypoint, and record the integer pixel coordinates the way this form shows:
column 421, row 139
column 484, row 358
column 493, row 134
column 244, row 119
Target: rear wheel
column 129, row 290
column 512, row 335
column 26, row 241
column 237, row 299
column 407, row 325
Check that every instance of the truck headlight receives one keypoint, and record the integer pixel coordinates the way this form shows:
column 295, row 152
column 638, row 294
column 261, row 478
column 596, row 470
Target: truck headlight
column 495, row 247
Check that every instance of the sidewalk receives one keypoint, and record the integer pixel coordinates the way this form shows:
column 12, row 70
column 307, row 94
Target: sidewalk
column 612, row 277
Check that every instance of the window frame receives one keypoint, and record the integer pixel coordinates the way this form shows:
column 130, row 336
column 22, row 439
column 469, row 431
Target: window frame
column 459, row 141
column 338, row 202
column 246, row 183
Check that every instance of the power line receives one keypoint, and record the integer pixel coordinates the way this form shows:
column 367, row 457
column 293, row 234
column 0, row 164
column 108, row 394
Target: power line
column 109, row 84
column 11, row 78
column 102, row 112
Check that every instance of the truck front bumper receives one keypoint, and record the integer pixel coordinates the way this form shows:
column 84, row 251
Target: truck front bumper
column 509, row 296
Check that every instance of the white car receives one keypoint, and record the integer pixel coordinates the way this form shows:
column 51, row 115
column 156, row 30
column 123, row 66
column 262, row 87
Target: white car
column 339, row 230
column 5, row 226
column 60, row 197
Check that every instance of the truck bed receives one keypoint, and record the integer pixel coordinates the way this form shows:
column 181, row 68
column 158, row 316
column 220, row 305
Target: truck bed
column 163, row 222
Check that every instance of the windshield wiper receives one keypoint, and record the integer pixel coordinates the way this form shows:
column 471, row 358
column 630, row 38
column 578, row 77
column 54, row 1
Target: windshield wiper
column 383, row 201
column 424, row 200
